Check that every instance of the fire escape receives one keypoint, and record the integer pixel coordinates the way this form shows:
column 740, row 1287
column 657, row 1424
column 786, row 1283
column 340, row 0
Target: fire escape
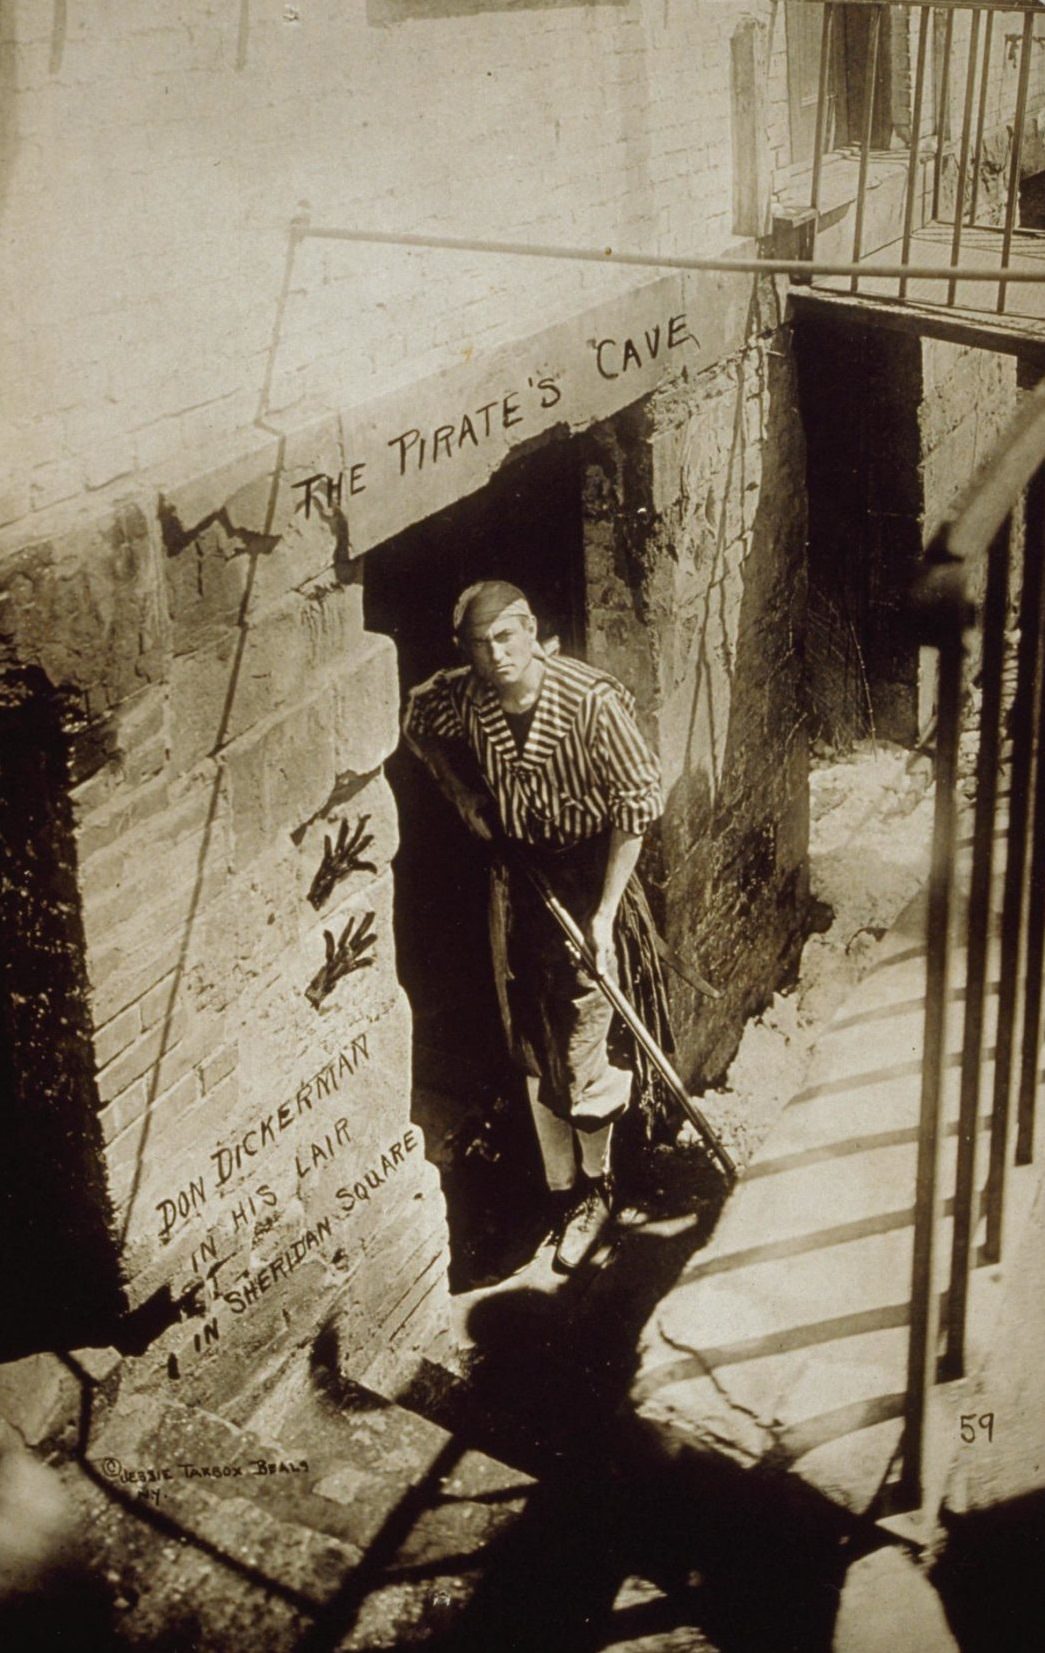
column 962, row 267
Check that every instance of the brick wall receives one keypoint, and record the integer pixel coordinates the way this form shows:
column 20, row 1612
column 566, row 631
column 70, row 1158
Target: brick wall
column 186, row 357
column 223, row 713
column 967, row 399
column 190, row 357
column 153, row 158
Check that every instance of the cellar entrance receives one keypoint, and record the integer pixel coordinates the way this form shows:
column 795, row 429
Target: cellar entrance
column 525, row 526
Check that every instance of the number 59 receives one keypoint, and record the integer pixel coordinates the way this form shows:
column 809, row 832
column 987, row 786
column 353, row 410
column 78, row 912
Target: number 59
column 969, row 1423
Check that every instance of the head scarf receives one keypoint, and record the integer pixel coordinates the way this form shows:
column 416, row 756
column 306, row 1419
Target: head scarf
column 484, row 602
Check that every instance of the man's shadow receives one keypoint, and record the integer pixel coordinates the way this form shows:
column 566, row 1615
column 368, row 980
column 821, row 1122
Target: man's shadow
column 754, row 1560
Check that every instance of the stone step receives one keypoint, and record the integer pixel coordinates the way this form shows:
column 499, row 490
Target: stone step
column 887, row 1603
column 357, row 1514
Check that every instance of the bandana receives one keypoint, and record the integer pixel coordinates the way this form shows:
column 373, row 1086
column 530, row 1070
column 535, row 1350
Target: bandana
column 485, row 602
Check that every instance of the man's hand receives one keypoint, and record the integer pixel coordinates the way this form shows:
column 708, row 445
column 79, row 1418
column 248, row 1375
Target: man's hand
column 598, row 932
column 623, row 854
column 471, row 806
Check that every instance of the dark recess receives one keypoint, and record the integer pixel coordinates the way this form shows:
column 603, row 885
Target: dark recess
column 59, row 1284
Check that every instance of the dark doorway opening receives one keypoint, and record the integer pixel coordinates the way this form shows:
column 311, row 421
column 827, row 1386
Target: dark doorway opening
column 525, row 526
column 847, row 80
column 1032, row 202
column 859, row 394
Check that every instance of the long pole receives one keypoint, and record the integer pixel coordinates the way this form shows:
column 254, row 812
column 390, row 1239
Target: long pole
column 575, row 937
column 798, row 267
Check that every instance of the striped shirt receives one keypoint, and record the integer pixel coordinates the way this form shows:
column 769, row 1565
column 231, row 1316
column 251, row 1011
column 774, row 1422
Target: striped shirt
column 584, row 766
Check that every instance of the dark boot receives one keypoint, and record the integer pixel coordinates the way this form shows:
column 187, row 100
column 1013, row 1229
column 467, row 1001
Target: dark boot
column 584, row 1225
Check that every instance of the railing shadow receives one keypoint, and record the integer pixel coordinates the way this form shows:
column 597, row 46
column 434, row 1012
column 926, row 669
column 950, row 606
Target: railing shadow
column 621, row 1534
column 152, row 1516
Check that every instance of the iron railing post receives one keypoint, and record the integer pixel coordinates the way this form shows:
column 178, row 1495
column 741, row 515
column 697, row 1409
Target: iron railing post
column 1012, row 199
column 978, row 935
column 942, row 122
column 826, row 36
column 963, row 155
column 922, row 1349
column 981, row 114
column 1024, row 738
column 915, row 156
column 865, row 146
column 1033, row 983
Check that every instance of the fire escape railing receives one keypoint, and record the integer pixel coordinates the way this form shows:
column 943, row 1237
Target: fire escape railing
column 994, row 544
column 933, row 148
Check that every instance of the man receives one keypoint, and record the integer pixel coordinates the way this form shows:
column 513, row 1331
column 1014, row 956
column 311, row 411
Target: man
column 561, row 771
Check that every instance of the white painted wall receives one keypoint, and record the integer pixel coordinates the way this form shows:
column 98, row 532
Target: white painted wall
column 153, row 154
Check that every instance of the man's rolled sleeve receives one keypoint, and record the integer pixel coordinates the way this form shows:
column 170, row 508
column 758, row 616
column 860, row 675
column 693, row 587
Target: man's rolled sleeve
column 431, row 713
column 627, row 770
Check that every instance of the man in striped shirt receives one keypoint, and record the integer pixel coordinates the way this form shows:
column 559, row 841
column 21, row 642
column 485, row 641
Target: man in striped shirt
column 558, row 762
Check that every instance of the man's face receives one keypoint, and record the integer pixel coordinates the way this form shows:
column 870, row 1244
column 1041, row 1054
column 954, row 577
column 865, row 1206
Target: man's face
column 500, row 652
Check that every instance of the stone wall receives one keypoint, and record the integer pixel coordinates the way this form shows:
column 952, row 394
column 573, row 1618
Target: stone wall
column 240, row 1042
column 967, row 398
column 695, row 566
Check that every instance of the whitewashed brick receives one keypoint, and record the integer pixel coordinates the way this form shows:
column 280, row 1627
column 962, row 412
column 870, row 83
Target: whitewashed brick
column 546, row 119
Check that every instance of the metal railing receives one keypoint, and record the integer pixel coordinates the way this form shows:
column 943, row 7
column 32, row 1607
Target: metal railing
column 935, row 149
column 991, row 549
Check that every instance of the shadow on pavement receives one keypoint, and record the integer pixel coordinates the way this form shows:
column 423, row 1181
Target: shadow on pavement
column 991, row 1577
column 623, row 1537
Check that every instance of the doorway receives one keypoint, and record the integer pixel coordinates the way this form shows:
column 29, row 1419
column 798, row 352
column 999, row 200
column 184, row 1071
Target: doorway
column 847, row 86
column 524, row 526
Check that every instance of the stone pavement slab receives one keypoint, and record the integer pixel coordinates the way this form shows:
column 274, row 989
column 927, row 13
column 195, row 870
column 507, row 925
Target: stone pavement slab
column 784, row 1342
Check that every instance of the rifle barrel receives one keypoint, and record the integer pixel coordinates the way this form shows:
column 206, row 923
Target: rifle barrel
column 612, row 992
